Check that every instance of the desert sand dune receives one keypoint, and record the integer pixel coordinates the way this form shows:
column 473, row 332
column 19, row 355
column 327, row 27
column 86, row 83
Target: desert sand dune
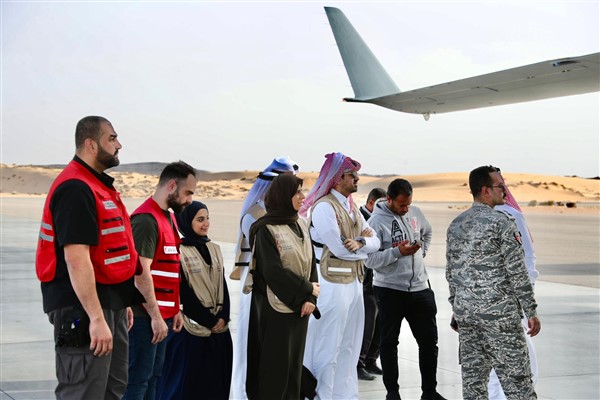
column 19, row 180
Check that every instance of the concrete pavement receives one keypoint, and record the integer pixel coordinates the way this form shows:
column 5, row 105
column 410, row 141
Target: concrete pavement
column 567, row 347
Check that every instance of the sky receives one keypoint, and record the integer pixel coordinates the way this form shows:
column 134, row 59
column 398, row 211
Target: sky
column 228, row 86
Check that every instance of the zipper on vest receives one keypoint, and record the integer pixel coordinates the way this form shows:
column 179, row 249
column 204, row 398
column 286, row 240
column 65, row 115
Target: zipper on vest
column 163, row 290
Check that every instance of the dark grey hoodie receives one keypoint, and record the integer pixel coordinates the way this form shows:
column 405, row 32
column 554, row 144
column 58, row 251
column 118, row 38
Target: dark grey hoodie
column 392, row 269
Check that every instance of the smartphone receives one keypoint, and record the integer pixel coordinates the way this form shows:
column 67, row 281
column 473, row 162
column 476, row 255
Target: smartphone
column 418, row 241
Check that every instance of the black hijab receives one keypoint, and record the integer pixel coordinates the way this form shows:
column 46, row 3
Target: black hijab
column 278, row 202
column 184, row 222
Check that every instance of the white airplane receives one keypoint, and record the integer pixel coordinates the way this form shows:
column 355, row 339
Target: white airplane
column 543, row 80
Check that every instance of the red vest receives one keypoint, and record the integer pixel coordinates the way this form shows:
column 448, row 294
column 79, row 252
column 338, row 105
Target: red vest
column 165, row 263
column 115, row 257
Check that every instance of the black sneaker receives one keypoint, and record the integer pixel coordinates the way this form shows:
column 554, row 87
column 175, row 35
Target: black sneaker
column 432, row 396
column 373, row 369
column 364, row 375
column 392, row 396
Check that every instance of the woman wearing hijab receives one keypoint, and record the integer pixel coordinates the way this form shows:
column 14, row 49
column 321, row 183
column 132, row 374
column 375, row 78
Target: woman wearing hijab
column 199, row 359
column 284, row 294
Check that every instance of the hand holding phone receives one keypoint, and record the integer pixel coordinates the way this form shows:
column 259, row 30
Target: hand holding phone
column 409, row 248
column 418, row 242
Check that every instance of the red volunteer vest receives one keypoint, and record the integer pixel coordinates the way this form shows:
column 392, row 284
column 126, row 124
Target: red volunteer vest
column 165, row 263
column 114, row 258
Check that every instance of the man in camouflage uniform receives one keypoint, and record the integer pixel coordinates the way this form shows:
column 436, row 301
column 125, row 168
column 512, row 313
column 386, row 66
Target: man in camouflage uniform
column 489, row 286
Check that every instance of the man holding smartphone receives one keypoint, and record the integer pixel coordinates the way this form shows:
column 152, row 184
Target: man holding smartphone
column 401, row 285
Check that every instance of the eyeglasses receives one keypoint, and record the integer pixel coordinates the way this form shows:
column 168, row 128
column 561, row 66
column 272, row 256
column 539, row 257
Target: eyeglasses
column 501, row 186
column 353, row 174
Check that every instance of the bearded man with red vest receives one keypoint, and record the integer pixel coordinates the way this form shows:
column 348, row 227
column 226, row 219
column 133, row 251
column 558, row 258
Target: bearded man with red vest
column 86, row 261
column 157, row 242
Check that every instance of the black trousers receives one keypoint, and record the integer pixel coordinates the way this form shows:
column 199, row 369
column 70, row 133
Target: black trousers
column 369, row 351
column 419, row 309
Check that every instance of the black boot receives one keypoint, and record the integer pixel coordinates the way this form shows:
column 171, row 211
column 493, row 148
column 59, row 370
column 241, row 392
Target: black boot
column 363, row 375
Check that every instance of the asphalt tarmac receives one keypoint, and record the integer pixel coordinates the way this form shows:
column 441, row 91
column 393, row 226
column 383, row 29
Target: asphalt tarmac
column 568, row 347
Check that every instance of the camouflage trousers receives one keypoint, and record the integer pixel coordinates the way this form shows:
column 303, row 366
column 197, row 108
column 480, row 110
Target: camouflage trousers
column 498, row 346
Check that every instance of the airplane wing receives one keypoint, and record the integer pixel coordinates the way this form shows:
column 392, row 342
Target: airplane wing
column 543, row 80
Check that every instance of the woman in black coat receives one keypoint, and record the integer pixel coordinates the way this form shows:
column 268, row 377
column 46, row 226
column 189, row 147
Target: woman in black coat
column 284, row 294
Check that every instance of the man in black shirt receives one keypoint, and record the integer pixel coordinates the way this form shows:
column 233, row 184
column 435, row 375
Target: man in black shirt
column 369, row 351
column 86, row 261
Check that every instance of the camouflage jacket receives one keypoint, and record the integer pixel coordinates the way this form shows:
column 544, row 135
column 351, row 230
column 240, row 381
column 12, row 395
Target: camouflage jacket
column 485, row 268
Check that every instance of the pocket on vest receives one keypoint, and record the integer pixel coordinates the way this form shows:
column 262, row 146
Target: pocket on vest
column 277, row 304
column 336, row 266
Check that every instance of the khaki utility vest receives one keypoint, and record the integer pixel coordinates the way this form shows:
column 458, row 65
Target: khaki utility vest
column 334, row 269
column 242, row 259
column 206, row 282
column 295, row 254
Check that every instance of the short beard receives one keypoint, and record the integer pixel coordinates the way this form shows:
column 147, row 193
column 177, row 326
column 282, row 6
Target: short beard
column 173, row 204
column 106, row 159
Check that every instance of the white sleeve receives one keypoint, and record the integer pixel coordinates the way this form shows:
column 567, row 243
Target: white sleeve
column 371, row 243
column 527, row 246
column 247, row 222
column 526, row 241
column 326, row 231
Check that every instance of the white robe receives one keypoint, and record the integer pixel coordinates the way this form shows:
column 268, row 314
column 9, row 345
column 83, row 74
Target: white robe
column 238, row 379
column 333, row 342
column 495, row 391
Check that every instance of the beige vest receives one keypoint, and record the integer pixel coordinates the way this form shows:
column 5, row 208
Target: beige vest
column 296, row 256
column 242, row 259
column 206, row 282
column 334, row 269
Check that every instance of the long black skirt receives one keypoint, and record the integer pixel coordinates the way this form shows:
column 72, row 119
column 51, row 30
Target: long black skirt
column 197, row 367
column 275, row 352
